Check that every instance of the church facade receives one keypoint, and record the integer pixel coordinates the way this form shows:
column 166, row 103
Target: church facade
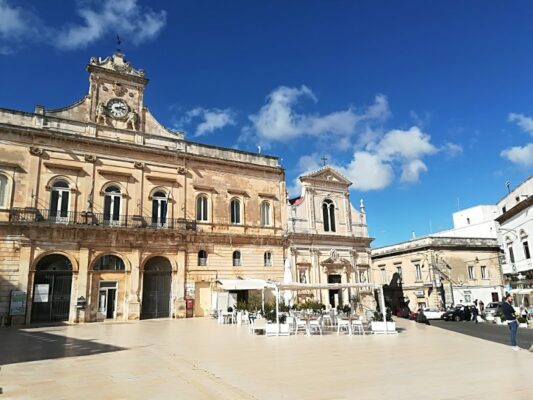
column 328, row 240
column 106, row 214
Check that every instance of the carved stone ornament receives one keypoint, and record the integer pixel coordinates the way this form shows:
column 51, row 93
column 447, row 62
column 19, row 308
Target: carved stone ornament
column 138, row 165
column 334, row 255
column 182, row 170
column 90, row 158
column 119, row 90
column 36, row 151
column 104, row 88
column 118, row 63
column 131, row 120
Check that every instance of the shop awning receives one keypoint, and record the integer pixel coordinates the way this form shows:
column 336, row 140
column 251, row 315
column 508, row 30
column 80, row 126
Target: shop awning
column 243, row 284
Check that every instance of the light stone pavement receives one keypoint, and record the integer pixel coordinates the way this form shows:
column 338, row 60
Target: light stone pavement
column 199, row 359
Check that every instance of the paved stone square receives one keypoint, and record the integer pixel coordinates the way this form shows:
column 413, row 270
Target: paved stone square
column 199, row 359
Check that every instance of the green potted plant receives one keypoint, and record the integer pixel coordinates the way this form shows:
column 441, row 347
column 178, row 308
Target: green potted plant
column 272, row 326
column 522, row 322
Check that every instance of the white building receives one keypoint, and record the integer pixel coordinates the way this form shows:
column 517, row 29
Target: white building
column 473, row 222
column 515, row 225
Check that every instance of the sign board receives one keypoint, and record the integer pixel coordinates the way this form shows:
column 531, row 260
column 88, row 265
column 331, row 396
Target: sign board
column 17, row 305
column 40, row 294
column 419, row 293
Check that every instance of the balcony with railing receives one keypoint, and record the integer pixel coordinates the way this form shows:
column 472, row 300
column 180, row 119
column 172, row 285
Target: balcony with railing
column 47, row 217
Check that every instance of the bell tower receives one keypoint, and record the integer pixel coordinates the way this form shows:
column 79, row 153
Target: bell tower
column 116, row 93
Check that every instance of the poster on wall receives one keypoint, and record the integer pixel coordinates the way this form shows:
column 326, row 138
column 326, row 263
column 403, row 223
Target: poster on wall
column 41, row 293
column 17, row 305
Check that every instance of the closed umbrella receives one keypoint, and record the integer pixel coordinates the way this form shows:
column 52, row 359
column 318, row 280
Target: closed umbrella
column 287, row 279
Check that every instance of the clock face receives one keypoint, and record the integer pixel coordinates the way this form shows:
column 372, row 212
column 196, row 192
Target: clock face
column 117, row 108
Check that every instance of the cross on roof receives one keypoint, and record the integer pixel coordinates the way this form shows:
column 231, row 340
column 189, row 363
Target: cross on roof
column 324, row 160
column 118, row 43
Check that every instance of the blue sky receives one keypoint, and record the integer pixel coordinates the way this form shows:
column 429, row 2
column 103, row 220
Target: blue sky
column 426, row 106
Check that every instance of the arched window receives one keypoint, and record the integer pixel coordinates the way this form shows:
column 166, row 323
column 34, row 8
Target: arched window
column 267, row 259
column 265, row 213
column 159, row 209
column 59, row 201
column 109, row 262
column 328, row 214
column 237, row 262
column 3, row 191
column 235, row 211
column 112, row 198
column 202, row 258
column 201, row 208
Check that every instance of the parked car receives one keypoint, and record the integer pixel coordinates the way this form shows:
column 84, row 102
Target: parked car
column 459, row 313
column 492, row 308
column 433, row 313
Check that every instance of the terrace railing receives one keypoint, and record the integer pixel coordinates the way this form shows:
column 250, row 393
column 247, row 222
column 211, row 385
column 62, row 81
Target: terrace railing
column 40, row 216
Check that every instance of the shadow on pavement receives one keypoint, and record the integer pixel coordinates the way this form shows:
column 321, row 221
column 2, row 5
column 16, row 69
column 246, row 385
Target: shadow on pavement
column 19, row 346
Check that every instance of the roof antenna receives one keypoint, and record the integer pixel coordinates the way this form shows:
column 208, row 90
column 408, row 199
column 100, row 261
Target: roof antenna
column 118, row 43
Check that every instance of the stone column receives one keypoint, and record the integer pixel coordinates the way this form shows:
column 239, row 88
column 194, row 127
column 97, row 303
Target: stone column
column 83, row 288
column 178, row 283
column 344, row 292
column 25, row 259
column 134, row 295
column 348, row 212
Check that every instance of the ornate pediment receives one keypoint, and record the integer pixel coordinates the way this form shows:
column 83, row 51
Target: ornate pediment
column 339, row 262
column 116, row 63
column 328, row 176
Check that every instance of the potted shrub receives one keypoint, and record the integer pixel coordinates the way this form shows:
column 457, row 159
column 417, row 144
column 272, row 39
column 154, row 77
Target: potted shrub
column 272, row 326
column 378, row 326
column 522, row 322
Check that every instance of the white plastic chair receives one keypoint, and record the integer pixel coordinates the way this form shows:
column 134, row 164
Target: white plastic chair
column 298, row 324
column 357, row 326
column 343, row 324
column 316, row 324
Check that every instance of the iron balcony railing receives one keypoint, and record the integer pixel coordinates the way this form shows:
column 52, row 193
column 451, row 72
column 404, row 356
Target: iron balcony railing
column 37, row 216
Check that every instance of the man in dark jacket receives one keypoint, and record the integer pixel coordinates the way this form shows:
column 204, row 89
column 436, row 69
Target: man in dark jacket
column 510, row 317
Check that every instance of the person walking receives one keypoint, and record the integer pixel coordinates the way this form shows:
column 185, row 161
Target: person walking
column 475, row 312
column 510, row 317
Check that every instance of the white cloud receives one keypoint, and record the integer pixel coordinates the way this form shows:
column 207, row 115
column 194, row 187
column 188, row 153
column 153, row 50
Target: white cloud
column 452, row 149
column 279, row 120
column 368, row 171
column 211, row 119
column 524, row 122
column 11, row 20
column 17, row 25
column 412, row 169
column 520, row 155
column 409, row 144
column 126, row 17
column 397, row 152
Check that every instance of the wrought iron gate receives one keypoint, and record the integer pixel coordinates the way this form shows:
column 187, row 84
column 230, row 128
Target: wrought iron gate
column 156, row 294
column 57, row 306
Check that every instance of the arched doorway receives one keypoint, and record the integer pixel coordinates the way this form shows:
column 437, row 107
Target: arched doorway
column 51, row 289
column 157, row 278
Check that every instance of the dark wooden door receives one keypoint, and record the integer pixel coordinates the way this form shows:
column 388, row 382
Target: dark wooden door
column 156, row 294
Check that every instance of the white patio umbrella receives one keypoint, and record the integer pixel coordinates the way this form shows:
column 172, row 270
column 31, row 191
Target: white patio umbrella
column 287, row 278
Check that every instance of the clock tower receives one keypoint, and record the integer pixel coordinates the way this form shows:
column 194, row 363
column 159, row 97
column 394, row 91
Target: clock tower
column 116, row 93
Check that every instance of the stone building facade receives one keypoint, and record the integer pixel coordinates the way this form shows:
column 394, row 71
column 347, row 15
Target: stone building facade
column 103, row 207
column 437, row 271
column 328, row 239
